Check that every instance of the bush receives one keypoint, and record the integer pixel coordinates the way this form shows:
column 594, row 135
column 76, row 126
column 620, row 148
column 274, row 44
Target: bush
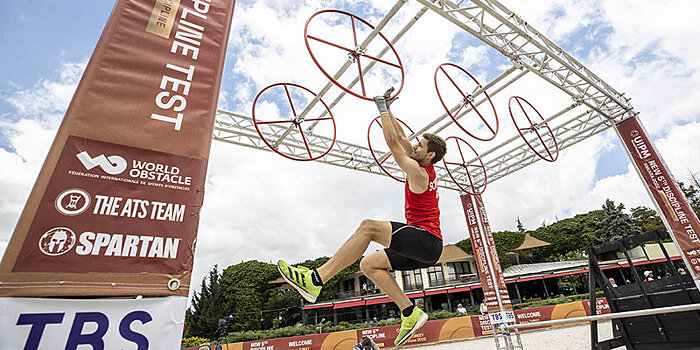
column 193, row 341
column 555, row 301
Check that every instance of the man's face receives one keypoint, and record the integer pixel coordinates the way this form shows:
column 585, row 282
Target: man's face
column 420, row 151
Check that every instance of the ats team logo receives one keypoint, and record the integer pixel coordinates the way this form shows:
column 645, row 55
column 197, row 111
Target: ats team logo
column 57, row 241
column 72, row 202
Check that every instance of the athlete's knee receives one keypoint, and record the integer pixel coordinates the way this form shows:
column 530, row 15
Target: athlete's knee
column 373, row 229
column 366, row 265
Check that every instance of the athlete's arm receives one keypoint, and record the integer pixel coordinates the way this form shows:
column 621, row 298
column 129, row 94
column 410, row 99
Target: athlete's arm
column 403, row 140
column 416, row 176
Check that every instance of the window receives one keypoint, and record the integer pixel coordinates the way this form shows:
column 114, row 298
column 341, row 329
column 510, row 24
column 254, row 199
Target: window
column 419, row 279
column 349, row 285
column 435, row 275
column 456, row 269
column 406, row 277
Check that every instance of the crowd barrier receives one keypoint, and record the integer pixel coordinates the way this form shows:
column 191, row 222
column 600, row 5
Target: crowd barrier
column 433, row 331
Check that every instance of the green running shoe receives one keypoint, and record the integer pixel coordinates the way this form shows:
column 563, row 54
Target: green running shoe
column 300, row 279
column 410, row 324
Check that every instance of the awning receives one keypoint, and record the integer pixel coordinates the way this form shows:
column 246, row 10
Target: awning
column 530, row 279
column 348, row 304
column 316, row 306
column 511, row 281
column 557, row 274
column 415, row 295
column 433, row 292
column 459, row 289
column 378, row 301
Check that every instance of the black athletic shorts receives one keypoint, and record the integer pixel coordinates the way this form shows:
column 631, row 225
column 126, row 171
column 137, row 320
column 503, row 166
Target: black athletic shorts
column 412, row 247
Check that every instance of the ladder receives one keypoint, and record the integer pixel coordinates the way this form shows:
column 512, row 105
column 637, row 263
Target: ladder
column 506, row 336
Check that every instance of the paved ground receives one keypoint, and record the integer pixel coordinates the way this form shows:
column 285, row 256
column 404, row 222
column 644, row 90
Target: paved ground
column 572, row 337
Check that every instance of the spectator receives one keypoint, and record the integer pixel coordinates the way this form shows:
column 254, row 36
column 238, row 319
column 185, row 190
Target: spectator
column 483, row 308
column 681, row 271
column 648, row 276
column 461, row 309
column 612, row 282
column 366, row 344
column 374, row 320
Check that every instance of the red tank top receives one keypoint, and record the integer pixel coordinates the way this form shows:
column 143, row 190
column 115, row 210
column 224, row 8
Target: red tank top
column 422, row 209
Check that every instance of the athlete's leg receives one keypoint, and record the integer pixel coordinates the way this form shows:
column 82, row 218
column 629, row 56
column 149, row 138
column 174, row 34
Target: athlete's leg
column 376, row 267
column 352, row 249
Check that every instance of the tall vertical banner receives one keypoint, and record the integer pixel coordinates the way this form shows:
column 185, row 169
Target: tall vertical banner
column 491, row 249
column 115, row 209
column 478, row 226
column 676, row 212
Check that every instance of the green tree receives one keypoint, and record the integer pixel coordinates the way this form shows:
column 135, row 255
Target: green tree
column 646, row 219
column 521, row 229
column 208, row 306
column 616, row 224
column 282, row 309
column 568, row 238
column 506, row 241
column 692, row 193
column 247, row 288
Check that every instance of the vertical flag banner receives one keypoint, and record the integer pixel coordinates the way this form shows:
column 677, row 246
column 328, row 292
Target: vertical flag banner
column 479, row 248
column 491, row 249
column 115, row 209
column 676, row 212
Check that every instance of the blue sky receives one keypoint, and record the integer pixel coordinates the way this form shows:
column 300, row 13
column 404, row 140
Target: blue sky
column 645, row 49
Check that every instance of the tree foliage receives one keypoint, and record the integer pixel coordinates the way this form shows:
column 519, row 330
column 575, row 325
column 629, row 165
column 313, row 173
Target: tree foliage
column 208, row 306
column 247, row 289
column 506, row 241
column 692, row 193
column 646, row 219
column 616, row 224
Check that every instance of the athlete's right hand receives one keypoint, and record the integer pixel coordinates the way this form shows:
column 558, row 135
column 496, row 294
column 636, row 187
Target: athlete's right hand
column 387, row 94
column 381, row 103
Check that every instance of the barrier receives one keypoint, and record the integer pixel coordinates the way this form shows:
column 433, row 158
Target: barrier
column 433, row 331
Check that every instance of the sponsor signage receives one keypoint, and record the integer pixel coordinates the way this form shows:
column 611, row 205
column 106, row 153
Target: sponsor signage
column 679, row 217
column 480, row 252
column 135, row 212
column 44, row 324
column 115, row 208
column 433, row 331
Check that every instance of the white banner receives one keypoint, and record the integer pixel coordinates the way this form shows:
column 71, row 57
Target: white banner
column 122, row 324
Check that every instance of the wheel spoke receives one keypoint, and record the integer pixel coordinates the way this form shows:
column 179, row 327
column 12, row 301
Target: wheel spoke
column 382, row 61
column 277, row 121
column 305, row 143
column 354, row 35
column 453, row 83
column 482, row 118
column 290, row 101
column 385, row 158
column 330, row 43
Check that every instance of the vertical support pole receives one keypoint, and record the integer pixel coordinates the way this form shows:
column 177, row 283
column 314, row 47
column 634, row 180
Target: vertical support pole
column 517, row 291
column 592, row 302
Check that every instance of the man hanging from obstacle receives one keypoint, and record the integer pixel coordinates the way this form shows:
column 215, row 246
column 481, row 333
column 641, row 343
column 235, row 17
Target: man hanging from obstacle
column 413, row 245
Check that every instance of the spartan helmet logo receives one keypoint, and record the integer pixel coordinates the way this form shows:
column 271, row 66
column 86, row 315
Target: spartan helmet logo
column 57, row 241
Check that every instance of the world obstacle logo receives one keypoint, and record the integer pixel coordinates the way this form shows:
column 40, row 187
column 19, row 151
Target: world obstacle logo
column 112, row 165
column 57, row 241
column 72, row 202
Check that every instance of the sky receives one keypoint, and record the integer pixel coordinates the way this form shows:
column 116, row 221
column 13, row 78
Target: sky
column 262, row 206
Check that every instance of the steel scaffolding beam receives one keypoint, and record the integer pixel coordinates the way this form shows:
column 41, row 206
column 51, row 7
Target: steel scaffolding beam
column 596, row 105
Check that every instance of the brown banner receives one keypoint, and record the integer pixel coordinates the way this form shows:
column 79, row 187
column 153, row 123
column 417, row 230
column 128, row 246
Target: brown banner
column 491, row 248
column 115, row 208
column 480, row 252
column 675, row 209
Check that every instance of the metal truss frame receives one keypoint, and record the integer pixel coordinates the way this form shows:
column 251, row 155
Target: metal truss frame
column 503, row 30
